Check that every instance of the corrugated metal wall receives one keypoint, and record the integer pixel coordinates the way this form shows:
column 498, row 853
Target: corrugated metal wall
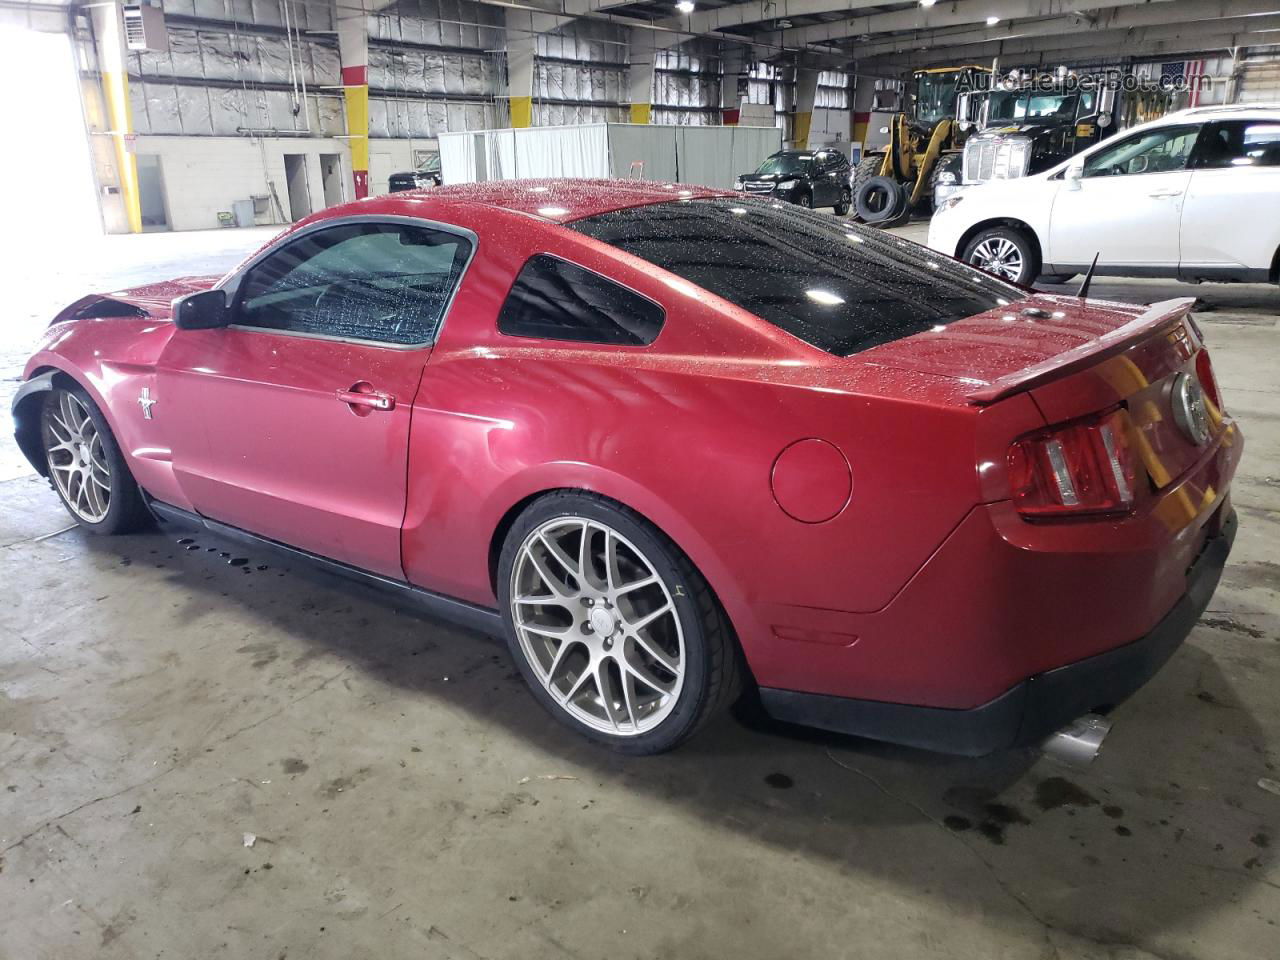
column 686, row 85
column 580, row 74
column 1260, row 78
column 238, row 67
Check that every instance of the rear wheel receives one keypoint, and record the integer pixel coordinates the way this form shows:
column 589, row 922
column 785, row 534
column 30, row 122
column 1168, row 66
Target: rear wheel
column 616, row 633
column 1006, row 252
column 86, row 466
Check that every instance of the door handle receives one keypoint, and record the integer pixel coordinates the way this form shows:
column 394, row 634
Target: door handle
column 369, row 398
column 1165, row 193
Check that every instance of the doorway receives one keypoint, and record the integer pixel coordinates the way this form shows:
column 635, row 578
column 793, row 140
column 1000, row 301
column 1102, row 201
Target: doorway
column 48, row 125
column 295, row 178
column 380, row 171
column 151, row 193
column 331, row 178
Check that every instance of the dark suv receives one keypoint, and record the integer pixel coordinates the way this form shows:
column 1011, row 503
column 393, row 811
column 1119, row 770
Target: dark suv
column 811, row 178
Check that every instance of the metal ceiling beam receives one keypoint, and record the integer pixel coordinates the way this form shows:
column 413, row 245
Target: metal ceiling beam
column 1068, row 48
column 580, row 7
column 741, row 14
column 916, row 17
column 1120, row 18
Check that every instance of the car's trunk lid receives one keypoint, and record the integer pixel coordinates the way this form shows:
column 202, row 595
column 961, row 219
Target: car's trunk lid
column 1076, row 358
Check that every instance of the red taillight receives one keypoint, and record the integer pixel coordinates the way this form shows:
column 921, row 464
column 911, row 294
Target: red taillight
column 1208, row 382
column 1086, row 467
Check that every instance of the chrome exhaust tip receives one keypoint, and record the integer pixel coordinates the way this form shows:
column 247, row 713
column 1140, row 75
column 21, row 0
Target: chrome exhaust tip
column 1079, row 741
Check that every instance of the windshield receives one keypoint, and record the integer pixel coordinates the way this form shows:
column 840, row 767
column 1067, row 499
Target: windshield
column 839, row 287
column 431, row 164
column 936, row 96
column 787, row 164
column 1011, row 105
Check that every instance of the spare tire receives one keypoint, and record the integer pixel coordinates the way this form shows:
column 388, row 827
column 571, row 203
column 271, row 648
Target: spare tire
column 879, row 200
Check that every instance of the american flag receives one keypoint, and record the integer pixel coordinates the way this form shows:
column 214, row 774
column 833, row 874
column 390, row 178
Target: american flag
column 1188, row 71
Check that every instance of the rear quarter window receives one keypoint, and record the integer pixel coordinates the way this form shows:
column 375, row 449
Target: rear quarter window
column 840, row 287
column 553, row 299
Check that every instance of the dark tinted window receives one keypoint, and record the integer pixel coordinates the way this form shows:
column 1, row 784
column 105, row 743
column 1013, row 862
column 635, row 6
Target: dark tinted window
column 839, row 287
column 556, row 300
column 366, row 281
column 1241, row 143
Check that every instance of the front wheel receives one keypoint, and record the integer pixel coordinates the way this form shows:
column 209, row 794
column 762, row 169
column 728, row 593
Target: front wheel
column 846, row 200
column 1005, row 252
column 615, row 631
column 86, row 466
column 805, row 200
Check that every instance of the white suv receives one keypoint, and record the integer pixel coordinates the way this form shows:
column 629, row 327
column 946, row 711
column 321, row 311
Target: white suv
column 1194, row 195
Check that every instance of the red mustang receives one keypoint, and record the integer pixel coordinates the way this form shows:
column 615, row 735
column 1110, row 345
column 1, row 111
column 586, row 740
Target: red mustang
column 672, row 443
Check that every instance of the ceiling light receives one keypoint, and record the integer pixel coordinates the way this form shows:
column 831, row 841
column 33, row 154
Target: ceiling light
column 824, row 297
column 685, row 6
column 927, row 3
column 992, row 21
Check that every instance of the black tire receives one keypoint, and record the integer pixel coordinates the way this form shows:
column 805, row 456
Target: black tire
column 1028, row 266
column 126, row 510
column 713, row 664
column 868, row 167
column 879, row 200
column 1055, row 277
column 805, row 200
column 846, row 201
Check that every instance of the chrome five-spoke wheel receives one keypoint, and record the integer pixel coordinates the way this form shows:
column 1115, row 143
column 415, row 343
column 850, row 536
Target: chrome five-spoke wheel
column 597, row 625
column 77, row 458
column 998, row 255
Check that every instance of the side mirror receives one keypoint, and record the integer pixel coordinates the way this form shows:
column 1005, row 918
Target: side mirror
column 205, row 310
column 1073, row 176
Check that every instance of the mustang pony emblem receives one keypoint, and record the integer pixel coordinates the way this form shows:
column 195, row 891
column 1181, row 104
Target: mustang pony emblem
column 146, row 401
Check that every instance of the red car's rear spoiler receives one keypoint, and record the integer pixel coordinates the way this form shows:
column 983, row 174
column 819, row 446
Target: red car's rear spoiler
column 1162, row 314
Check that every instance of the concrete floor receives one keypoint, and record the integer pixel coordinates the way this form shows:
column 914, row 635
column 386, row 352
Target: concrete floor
column 160, row 701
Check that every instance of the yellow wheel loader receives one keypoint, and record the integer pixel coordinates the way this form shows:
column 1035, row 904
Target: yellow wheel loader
column 900, row 153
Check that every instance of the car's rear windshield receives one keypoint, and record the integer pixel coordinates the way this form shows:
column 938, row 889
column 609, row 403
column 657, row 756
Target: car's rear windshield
column 841, row 287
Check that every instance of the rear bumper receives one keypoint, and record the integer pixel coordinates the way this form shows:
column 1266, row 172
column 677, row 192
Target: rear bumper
column 1037, row 706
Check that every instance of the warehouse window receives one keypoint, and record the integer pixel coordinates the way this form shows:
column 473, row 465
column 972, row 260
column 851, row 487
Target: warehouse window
column 556, row 300
column 383, row 282
column 839, row 287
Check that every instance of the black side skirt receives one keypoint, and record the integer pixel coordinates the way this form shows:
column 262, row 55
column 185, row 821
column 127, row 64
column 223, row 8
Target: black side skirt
column 481, row 619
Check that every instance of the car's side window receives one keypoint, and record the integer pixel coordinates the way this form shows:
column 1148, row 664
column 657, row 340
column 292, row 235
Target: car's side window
column 385, row 282
column 1240, row 143
column 553, row 299
column 1156, row 151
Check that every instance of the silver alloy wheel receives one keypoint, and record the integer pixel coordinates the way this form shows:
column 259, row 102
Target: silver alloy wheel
column 77, row 461
column 998, row 255
column 598, row 626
